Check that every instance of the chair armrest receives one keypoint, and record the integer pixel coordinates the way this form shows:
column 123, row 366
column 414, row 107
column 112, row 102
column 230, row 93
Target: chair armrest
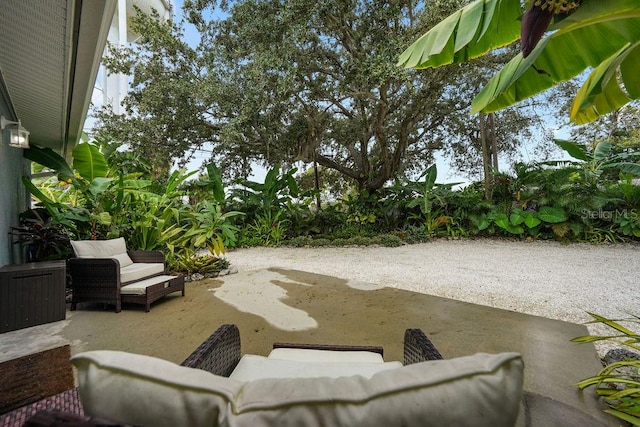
column 219, row 354
column 418, row 348
column 146, row 256
column 91, row 272
column 331, row 347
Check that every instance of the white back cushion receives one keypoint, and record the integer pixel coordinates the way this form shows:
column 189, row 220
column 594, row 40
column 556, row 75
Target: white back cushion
column 478, row 390
column 146, row 391
column 112, row 248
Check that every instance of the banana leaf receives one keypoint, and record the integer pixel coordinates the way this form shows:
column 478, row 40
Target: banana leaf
column 627, row 167
column 99, row 185
column 575, row 150
column 50, row 159
column 216, row 183
column 602, row 151
column 89, row 162
column 470, row 32
column 602, row 93
column 594, row 33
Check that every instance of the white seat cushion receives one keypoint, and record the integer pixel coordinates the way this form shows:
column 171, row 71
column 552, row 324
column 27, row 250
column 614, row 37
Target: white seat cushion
column 253, row 367
column 309, row 355
column 140, row 270
column 140, row 288
column 479, row 390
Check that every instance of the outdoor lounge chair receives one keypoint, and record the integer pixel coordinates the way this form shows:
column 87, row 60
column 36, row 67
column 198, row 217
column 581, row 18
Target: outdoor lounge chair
column 104, row 271
column 116, row 385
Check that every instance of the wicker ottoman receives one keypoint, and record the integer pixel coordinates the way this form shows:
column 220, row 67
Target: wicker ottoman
column 151, row 289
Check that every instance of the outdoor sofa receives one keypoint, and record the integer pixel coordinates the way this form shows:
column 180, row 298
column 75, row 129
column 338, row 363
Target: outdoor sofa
column 296, row 385
column 105, row 271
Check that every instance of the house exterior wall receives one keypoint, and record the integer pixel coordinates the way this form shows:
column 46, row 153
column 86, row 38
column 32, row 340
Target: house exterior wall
column 116, row 86
column 13, row 194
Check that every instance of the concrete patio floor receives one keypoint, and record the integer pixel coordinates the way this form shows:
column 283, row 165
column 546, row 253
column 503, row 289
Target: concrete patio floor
column 294, row 306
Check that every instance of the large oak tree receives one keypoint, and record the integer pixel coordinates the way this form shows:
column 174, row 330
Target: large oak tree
column 283, row 81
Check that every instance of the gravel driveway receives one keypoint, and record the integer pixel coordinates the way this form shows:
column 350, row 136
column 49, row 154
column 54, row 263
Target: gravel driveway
column 549, row 279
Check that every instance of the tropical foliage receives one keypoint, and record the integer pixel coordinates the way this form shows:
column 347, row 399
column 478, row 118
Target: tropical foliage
column 194, row 219
column 91, row 200
column 330, row 96
column 602, row 35
column 619, row 382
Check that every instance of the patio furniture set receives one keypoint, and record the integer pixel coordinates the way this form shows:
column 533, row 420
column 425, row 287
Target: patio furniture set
column 104, row 271
column 296, row 384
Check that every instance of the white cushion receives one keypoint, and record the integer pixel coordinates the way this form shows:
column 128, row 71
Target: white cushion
column 309, row 355
column 478, row 390
column 140, row 270
column 113, row 248
column 99, row 248
column 145, row 391
column 253, row 367
column 140, row 288
column 123, row 259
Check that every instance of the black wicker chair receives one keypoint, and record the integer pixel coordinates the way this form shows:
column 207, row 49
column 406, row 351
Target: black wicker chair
column 218, row 354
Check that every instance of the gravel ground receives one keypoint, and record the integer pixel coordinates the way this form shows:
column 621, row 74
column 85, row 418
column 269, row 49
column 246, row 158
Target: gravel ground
column 546, row 279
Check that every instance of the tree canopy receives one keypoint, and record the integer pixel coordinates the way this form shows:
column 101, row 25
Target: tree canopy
column 279, row 82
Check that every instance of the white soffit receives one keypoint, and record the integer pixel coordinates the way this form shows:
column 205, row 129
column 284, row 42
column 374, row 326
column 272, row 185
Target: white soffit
column 50, row 51
column 32, row 58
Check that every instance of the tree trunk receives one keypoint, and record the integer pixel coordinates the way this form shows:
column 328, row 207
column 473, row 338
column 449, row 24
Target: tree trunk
column 486, row 158
column 494, row 142
column 316, row 177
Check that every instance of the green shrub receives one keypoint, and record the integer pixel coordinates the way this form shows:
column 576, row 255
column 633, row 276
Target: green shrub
column 190, row 263
column 413, row 234
column 359, row 241
column 246, row 239
column 339, row 242
column 319, row 242
column 388, row 240
column 299, row 242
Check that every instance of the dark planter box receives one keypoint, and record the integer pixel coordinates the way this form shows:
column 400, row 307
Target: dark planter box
column 32, row 294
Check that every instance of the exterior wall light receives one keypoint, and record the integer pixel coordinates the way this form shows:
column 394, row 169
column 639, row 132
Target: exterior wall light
column 14, row 133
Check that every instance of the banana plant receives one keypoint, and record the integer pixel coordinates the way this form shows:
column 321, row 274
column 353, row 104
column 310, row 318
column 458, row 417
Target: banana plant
column 428, row 194
column 208, row 186
column 98, row 202
column 266, row 199
column 277, row 189
column 595, row 34
column 88, row 179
